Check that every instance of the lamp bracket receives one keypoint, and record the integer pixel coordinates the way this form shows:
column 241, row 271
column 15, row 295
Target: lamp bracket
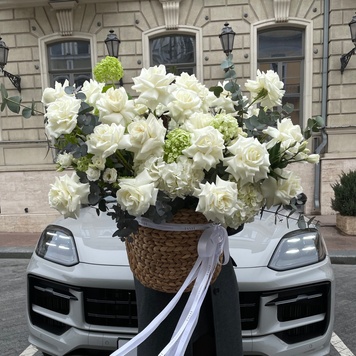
column 14, row 79
column 344, row 59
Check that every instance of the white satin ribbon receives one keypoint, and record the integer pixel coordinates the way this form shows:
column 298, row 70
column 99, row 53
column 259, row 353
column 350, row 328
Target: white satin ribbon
column 212, row 243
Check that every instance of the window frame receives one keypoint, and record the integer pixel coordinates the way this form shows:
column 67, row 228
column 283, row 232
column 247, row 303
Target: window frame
column 43, row 54
column 181, row 30
column 282, row 66
column 307, row 26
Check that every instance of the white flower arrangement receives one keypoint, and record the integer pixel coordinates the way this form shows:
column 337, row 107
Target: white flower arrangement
column 176, row 144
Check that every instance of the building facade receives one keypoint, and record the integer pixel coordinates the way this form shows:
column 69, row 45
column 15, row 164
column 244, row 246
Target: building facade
column 50, row 41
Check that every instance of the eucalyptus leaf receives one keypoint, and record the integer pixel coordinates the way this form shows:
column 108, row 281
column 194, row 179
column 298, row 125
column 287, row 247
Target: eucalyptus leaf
column 85, row 108
column 217, row 90
column 288, row 108
column 13, row 104
column 27, row 113
column 80, row 96
column 4, row 93
column 69, row 89
column 230, row 74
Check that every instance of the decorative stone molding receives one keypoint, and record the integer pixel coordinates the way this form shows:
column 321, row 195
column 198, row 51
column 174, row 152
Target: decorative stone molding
column 281, row 10
column 64, row 13
column 171, row 13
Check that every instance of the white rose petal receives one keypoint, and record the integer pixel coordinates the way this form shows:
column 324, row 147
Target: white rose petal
column 206, row 149
column 269, row 84
column 62, row 116
column 250, row 160
column 115, row 107
column 106, row 139
column 92, row 90
column 93, row 174
column 50, row 95
column 137, row 194
column 184, row 104
column 146, row 137
column 64, row 160
column 281, row 191
column 67, row 194
column 98, row 162
column 217, row 201
column 110, row 175
column 152, row 84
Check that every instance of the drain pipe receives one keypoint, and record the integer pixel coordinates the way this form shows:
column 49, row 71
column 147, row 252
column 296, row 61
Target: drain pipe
column 324, row 114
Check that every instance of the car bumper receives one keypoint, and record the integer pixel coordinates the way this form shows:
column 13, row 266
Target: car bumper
column 267, row 336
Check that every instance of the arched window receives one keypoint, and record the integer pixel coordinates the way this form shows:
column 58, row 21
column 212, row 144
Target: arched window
column 282, row 50
column 69, row 60
column 180, row 50
column 176, row 51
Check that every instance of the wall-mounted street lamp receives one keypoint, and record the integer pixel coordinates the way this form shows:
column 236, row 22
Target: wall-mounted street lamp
column 227, row 37
column 4, row 52
column 112, row 45
column 344, row 59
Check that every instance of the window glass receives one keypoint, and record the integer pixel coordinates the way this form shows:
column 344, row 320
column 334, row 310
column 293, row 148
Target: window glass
column 176, row 52
column 282, row 50
column 69, row 60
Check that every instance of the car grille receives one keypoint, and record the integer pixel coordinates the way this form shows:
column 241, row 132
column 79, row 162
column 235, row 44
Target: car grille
column 117, row 308
column 110, row 307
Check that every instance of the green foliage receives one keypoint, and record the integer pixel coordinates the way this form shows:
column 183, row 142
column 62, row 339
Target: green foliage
column 344, row 200
column 314, row 124
column 14, row 104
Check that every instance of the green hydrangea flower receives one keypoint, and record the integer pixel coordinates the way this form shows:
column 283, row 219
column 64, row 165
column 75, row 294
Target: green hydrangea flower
column 177, row 140
column 108, row 70
column 82, row 164
column 227, row 125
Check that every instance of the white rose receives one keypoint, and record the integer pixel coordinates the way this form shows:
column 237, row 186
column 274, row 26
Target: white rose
column 64, row 160
column 223, row 102
column 190, row 82
column 249, row 162
column 146, row 137
column 313, row 158
column 62, row 116
column 106, row 139
column 92, row 90
column 206, row 149
column 197, row 120
column 93, row 174
column 286, row 132
column 99, row 162
column 49, row 95
column 217, row 201
column 266, row 89
column 153, row 165
column 110, row 175
column 184, row 104
column 136, row 195
column 152, row 84
column 67, row 194
column 115, row 107
column 281, row 191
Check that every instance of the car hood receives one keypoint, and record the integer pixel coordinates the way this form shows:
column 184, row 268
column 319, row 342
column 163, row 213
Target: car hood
column 252, row 247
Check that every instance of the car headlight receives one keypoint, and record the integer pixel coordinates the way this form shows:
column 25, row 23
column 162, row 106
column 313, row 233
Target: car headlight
column 297, row 249
column 57, row 244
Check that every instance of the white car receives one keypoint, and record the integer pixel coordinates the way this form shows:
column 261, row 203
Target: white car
column 81, row 298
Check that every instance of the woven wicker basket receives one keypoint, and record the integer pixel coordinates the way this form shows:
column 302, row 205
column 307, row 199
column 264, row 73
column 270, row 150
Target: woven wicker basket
column 162, row 260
